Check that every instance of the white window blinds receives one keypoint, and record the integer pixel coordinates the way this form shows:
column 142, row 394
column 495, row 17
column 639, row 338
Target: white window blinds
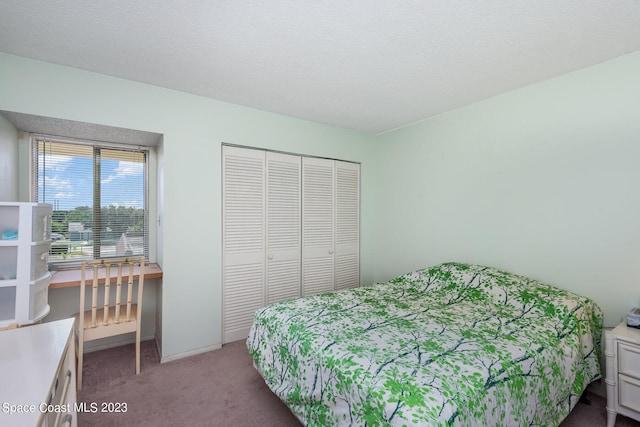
column 99, row 196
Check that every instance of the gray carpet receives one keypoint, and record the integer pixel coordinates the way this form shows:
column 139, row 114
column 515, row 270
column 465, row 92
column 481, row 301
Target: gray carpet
column 218, row 388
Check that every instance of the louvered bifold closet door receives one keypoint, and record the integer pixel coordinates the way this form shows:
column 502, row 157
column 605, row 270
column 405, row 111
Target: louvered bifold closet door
column 318, row 210
column 347, row 246
column 283, row 227
column 243, row 237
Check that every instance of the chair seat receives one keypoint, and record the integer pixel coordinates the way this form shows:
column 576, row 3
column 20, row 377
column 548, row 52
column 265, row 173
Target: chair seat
column 111, row 328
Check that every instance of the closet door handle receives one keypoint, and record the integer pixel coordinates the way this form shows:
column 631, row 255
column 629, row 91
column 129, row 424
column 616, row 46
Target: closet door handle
column 270, row 256
column 330, row 252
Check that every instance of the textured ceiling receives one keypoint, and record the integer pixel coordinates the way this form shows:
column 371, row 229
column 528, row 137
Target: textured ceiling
column 370, row 65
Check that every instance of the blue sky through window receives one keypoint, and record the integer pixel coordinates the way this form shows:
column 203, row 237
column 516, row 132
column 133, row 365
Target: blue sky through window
column 68, row 182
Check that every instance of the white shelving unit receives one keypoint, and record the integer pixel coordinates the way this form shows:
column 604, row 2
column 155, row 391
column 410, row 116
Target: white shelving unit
column 25, row 239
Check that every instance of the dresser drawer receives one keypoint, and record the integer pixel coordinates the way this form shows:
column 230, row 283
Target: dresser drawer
column 629, row 392
column 61, row 400
column 58, row 405
column 629, row 360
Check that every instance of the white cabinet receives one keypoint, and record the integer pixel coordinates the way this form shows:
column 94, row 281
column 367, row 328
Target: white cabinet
column 25, row 239
column 38, row 372
column 622, row 352
column 290, row 228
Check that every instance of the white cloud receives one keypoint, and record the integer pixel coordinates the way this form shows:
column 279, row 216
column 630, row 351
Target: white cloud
column 55, row 162
column 57, row 183
column 125, row 169
column 61, row 195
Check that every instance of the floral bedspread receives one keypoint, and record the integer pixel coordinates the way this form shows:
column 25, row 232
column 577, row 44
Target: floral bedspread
column 454, row 344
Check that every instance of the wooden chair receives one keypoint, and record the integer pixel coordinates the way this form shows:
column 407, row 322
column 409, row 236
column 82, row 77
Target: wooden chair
column 113, row 317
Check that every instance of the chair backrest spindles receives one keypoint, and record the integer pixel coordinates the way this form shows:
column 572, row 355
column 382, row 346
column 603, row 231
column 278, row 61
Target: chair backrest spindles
column 107, row 293
column 94, row 296
column 130, row 290
column 111, row 312
column 118, row 293
column 83, row 272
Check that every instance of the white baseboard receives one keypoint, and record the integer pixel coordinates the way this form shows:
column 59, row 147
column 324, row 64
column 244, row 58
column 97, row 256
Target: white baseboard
column 90, row 347
column 105, row 343
column 200, row 350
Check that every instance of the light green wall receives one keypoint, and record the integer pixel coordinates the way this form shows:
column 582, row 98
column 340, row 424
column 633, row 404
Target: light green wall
column 8, row 161
column 543, row 181
column 189, row 174
column 540, row 181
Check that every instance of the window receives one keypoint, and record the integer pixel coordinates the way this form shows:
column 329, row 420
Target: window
column 99, row 196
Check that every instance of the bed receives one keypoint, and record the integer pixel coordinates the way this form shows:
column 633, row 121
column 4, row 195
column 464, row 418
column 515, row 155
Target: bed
column 454, row 344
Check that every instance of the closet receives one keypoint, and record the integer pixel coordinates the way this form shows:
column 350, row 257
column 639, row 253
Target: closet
column 290, row 227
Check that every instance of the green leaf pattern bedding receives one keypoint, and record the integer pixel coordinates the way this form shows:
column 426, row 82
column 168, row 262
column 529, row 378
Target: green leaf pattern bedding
column 454, row 344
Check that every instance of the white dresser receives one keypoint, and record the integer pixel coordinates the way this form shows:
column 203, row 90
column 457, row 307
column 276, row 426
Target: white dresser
column 37, row 368
column 622, row 351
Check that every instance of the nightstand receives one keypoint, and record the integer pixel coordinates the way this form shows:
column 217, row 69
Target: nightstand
column 622, row 353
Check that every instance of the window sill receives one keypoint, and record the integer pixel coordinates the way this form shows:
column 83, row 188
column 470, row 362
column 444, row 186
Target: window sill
column 71, row 278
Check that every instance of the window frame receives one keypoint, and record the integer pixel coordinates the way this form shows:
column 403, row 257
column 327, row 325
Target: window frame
column 149, row 172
